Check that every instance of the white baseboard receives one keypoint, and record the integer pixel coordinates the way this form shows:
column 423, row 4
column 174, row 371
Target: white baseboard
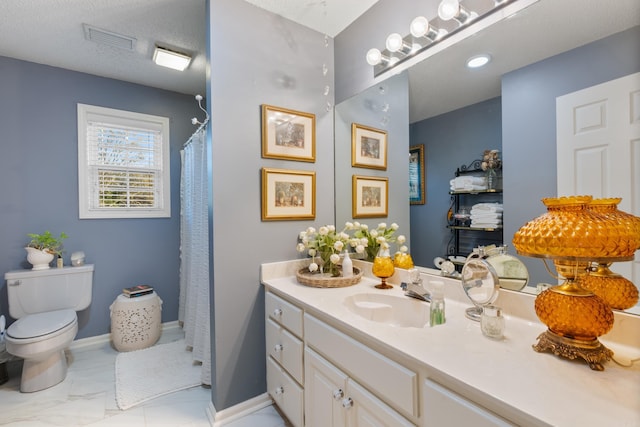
column 233, row 413
column 106, row 338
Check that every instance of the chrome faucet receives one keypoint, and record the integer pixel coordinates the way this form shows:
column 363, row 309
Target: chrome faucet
column 414, row 288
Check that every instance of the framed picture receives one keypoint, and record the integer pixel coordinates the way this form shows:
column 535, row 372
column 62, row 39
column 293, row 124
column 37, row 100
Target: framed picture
column 368, row 147
column 288, row 134
column 288, row 194
column 416, row 175
column 370, row 196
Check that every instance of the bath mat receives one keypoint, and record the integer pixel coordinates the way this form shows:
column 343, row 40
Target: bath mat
column 146, row 374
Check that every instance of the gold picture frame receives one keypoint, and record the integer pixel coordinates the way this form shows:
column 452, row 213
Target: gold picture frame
column 288, row 134
column 416, row 175
column 368, row 147
column 370, row 196
column 288, row 194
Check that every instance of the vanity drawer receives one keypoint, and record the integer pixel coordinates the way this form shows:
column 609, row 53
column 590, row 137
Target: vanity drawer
column 284, row 313
column 386, row 378
column 285, row 348
column 285, row 393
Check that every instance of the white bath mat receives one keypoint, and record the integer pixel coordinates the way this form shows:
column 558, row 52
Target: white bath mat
column 143, row 375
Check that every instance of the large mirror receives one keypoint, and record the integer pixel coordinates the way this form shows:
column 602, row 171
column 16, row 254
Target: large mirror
column 547, row 50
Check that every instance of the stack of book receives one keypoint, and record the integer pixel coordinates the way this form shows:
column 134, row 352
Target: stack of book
column 137, row 291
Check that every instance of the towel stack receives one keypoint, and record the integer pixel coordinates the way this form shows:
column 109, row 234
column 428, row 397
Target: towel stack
column 486, row 215
column 468, row 183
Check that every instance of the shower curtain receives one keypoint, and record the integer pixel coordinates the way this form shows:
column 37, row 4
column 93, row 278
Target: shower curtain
column 194, row 251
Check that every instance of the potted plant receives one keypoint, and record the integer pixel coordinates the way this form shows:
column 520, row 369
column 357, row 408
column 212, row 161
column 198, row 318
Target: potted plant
column 42, row 248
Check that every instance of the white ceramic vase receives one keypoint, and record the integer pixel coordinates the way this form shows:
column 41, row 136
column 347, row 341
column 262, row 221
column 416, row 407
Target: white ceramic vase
column 39, row 259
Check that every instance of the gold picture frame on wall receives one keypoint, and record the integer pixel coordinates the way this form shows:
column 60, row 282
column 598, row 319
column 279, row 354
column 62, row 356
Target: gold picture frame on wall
column 416, row 175
column 370, row 196
column 288, row 134
column 288, row 194
column 368, row 147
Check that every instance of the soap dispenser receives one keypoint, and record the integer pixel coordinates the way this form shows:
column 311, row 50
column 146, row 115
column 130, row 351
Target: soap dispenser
column 347, row 265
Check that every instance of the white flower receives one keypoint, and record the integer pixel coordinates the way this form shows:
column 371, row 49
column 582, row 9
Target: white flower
column 301, row 247
column 374, row 233
column 382, row 226
column 360, row 249
column 356, row 225
column 348, row 225
column 401, row 239
column 334, row 258
column 364, row 227
column 384, row 245
column 403, row 248
column 312, row 252
column 311, row 230
column 331, row 228
column 364, row 242
column 338, row 246
column 302, row 235
column 381, row 239
column 344, row 236
column 313, row 267
column 323, row 231
column 394, row 226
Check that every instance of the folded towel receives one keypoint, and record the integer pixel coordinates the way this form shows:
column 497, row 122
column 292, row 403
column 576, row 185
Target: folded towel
column 487, row 207
column 484, row 225
column 473, row 187
column 485, row 214
column 464, row 182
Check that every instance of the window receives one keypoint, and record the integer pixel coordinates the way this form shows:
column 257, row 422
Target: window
column 123, row 164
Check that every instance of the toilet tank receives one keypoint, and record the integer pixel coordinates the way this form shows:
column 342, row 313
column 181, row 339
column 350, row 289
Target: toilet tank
column 31, row 292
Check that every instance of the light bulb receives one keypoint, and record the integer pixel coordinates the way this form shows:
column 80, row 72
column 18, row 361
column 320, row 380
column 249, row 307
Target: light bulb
column 448, row 9
column 394, row 42
column 374, row 57
column 419, row 26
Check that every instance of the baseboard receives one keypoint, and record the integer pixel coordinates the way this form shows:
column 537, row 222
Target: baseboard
column 106, row 338
column 233, row 413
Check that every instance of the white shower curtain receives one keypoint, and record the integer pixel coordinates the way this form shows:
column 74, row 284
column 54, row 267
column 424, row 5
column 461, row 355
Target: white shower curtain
column 194, row 251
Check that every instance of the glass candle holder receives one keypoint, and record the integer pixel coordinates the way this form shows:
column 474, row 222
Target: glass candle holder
column 492, row 322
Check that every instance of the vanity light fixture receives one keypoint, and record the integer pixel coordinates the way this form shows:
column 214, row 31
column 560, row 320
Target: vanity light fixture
column 478, row 61
column 420, row 28
column 395, row 43
column 452, row 9
column 171, row 59
column 375, row 57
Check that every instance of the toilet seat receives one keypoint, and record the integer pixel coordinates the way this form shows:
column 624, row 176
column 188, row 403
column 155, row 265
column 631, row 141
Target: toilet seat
column 35, row 326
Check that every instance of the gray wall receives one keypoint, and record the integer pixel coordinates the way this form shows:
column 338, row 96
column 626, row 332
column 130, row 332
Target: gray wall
column 384, row 106
column 529, row 122
column 279, row 63
column 451, row 140
column 39, row 184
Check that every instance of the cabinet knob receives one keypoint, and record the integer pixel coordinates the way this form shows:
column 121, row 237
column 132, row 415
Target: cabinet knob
column 277, row 312
column 278, row 348
column 279, row 390
column 338, row 394
column 347, row 403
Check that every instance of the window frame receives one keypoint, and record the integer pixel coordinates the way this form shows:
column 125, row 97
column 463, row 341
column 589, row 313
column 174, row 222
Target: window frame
column 90, row 113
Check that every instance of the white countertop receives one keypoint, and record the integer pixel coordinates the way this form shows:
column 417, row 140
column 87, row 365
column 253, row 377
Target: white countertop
column 543, row 388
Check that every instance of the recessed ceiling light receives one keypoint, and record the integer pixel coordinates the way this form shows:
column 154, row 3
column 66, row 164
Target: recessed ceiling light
column 478, row 60
column 171, row 59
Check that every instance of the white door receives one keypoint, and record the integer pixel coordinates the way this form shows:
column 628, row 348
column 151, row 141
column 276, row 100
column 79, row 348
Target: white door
column 598, row 148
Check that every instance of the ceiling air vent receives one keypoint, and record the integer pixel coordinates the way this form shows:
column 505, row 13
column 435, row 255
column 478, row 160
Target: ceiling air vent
column 109, row 38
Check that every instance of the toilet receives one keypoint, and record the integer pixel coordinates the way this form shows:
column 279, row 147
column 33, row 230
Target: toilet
column 45, row 303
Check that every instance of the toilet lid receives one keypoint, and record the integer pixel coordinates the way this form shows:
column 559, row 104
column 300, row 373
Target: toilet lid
column 35, row 325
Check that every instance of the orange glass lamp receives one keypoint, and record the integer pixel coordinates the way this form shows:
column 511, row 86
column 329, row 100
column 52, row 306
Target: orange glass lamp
column 573, row 236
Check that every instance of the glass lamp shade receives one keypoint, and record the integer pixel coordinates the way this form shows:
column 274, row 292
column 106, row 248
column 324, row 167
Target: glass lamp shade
column 571, row 231
column 615, row 290
column 627, row 226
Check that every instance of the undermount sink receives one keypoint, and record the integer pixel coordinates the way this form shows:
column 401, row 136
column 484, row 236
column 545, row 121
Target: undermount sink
column 403, row 312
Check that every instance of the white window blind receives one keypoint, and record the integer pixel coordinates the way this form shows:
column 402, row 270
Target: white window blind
column 123, row 164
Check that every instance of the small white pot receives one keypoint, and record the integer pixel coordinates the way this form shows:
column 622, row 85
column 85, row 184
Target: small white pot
column 39, row 259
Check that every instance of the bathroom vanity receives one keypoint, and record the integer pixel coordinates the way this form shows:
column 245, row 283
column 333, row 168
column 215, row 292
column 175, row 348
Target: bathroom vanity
column 358, row 356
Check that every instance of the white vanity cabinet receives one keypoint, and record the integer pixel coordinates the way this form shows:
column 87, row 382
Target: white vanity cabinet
column 283, row 333
column 332, row 399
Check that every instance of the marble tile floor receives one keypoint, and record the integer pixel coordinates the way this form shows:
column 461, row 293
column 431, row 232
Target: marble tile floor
column 87, row 398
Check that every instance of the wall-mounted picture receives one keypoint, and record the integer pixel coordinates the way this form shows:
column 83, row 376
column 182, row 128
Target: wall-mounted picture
column 288, row 194
column 416, row 175
column 368, row 147
column 288, row 134
column 370, row 196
